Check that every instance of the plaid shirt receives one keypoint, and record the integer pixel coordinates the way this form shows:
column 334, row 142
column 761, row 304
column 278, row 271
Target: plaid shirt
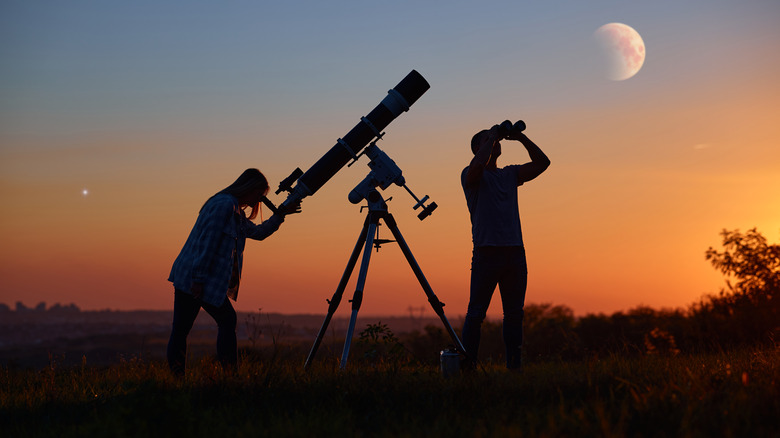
column 213, row 252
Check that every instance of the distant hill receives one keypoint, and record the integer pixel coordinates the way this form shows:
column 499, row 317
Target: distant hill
column 34, row 336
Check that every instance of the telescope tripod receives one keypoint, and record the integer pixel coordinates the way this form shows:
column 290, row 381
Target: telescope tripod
column 377, row 210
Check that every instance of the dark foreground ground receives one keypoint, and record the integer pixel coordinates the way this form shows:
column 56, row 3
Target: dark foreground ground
column 103, row 374
column 730, row 394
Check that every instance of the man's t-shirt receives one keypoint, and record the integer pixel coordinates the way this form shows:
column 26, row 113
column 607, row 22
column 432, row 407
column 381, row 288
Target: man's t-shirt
column 492, row 204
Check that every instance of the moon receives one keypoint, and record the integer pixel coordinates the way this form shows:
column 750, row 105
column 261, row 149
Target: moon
column 623, row 50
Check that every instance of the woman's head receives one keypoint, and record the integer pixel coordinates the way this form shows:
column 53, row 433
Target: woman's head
column 249, row 188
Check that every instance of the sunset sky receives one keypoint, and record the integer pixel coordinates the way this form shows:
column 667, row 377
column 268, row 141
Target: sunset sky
column 119, row 119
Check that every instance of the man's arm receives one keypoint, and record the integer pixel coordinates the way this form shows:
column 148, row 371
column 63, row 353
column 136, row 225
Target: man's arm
column 482, row 157
column 539, row 161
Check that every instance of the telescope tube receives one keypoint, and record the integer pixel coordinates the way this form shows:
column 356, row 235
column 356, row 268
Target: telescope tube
column 397, row 101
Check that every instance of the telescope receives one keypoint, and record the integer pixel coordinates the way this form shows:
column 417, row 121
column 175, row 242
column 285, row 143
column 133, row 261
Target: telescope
column 384, row 172
column 397, row 101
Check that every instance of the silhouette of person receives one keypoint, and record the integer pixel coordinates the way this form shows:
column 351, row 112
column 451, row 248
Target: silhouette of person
column 207, row 271
column 498, row 256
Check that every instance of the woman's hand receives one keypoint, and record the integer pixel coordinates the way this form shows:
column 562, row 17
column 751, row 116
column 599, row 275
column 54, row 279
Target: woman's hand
column 290, row 209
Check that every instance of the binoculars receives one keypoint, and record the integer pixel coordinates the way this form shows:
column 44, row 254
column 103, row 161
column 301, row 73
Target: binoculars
column 506, row 128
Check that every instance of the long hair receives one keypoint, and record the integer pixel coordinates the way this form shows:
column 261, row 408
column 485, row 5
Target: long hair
column 249, row 182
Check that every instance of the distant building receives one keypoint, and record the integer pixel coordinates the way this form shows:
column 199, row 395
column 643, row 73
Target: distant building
column 69, row 308
column 41, row 307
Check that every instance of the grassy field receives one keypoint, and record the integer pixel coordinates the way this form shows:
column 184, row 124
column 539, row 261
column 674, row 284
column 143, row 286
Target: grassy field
column 726, row 394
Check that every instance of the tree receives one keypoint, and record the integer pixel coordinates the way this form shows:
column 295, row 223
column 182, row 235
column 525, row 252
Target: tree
column 753, row 262
column 749, row 309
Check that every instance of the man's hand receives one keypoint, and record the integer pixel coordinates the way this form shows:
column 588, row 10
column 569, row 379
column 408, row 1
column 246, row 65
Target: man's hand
column 488, row 142
column 493, row 135
column 518, row 135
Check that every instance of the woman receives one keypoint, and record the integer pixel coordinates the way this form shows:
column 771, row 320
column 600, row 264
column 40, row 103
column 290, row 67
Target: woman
column 208, row 268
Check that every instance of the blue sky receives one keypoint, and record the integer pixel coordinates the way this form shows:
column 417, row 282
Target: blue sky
column 114, row 63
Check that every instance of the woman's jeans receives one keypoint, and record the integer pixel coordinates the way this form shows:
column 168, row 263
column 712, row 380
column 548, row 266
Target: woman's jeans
column 185, row 310
column 506, row 267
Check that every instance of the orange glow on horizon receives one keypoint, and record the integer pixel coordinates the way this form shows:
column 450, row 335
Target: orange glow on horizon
column 645, row 172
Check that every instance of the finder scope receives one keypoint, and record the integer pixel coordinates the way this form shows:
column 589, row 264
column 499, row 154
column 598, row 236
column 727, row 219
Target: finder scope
column 397, row 101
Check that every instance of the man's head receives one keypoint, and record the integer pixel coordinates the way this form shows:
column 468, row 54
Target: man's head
column 478, row 139
column 486, row 135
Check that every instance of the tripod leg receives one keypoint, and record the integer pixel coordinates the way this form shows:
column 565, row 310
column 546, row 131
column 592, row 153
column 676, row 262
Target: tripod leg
column 357, row 298
column 334, row 302
column 437, row 305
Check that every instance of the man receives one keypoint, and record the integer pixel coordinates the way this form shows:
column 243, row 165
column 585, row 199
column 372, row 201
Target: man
column 499, row 255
